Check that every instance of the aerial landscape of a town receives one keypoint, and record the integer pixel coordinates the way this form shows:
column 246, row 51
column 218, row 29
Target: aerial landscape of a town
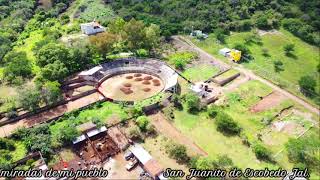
column 160, row 89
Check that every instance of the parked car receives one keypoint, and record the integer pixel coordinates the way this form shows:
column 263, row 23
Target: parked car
column 132, row 163
column 128, row 155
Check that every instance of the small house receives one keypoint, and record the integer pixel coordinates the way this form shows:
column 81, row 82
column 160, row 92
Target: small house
column 92, row 28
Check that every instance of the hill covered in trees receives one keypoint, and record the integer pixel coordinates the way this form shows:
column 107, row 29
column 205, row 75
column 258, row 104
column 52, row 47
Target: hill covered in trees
column 299, row 17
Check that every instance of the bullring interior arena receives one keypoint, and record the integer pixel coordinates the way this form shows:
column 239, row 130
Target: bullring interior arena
column 132, row 79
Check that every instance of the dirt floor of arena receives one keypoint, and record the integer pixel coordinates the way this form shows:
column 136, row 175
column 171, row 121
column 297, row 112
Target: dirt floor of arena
column 131, row 86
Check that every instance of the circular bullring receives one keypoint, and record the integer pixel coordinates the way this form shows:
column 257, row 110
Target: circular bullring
column 134, row 79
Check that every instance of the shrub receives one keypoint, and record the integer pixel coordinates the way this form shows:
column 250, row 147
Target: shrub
column 193, row 102
column 134, row 133
column 7, row 144
column 226, row 124
column 278, row 66
column 224, row 161
column 142, row 53
column 29, row 98
column 307, row 85
column 261, row 152
column 288, row 48
column 181, row 59
column 142, row 122
column 213, row 111
column 177, row 152
column 205, row 163
column 67, row 134
column 304, row 150
column 150, row 129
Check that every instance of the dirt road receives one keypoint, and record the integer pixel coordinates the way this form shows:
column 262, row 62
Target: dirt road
column 248, row 73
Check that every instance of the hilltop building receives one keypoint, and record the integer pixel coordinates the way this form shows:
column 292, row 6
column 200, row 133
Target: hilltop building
column 92, row 28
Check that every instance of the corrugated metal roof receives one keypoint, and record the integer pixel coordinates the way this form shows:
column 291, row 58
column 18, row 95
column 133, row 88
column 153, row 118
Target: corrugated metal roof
column 140, row 153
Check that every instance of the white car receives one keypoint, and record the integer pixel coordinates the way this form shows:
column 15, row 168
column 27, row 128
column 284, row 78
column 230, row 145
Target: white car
column 131, row 164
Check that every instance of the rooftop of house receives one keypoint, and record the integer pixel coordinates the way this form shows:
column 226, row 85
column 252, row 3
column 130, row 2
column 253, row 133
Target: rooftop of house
column 153, row 167
column 93, row 24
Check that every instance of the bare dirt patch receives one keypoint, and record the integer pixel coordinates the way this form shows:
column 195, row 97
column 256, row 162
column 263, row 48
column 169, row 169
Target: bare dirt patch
column 288, row 127
column 271, row 100
column 167, row 129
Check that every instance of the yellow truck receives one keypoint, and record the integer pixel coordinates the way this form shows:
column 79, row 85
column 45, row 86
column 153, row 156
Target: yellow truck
column 233, row 54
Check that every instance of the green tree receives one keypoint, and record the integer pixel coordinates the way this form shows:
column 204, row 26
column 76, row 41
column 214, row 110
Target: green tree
column 67, row 134
column 134, row 132
column 278, row 66
column 116, row 26
column 17, row 65
column 262, row 23
column 56, row 71
column 288, row 49
column 52, row 53
column 152, row 39
column 261, row 151
column 29, row 98
column 104, row 42
column 223, row 161
column 307, row 85
column 305, row 150
column 51, row 92
column 213, row 111
column 135, row 35
column 142, row 122
column 220, row 34
column 226, row 124
column 177, row 152
column 193, row 102
column 7, row 144
column 205, row 163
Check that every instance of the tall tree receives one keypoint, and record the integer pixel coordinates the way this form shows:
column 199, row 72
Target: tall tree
column 29, row 98
column 51, row 92
column 55, row 71
column 135, row 35
column 104, row 42
column 52, row 52
column 17, row 66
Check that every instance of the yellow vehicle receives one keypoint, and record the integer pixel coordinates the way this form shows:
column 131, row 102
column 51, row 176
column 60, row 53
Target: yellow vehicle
column 235, row 55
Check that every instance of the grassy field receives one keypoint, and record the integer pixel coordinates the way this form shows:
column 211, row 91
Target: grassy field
column 200, row 72
column 155, row 146
column 227, row 74
column 202, row 129
column 104, row 113
column 304, row 60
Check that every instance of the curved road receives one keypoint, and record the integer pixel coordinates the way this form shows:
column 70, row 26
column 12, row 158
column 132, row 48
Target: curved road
column 250, row 74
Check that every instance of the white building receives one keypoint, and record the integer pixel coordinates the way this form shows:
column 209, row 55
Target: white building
column 224, row 52
column 92, row 28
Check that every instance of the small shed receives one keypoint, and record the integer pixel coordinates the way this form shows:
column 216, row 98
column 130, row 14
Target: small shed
column 92, row 28
column 224, row 52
